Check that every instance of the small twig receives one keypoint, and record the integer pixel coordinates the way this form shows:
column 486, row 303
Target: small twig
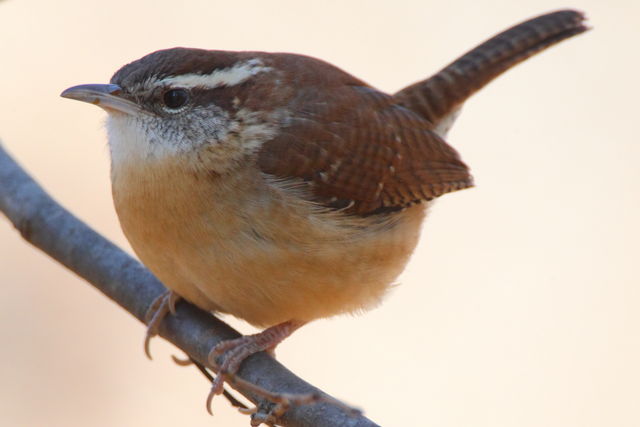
column 230, row 397
column 283, row 402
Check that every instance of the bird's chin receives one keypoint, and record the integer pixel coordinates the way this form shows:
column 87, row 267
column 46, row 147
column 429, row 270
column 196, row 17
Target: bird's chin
column 128, row 139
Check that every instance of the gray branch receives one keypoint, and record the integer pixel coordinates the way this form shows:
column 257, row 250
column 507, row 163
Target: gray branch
column 49, row 227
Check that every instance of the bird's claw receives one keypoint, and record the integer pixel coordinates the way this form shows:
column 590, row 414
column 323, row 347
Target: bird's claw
column 158, row 310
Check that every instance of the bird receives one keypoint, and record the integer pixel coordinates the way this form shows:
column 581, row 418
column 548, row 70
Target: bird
column 279, row 188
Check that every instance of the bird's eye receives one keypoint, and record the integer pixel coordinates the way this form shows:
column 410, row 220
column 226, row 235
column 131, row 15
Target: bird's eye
column 175, row 98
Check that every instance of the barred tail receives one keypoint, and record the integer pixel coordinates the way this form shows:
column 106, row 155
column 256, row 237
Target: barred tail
column 441, row 94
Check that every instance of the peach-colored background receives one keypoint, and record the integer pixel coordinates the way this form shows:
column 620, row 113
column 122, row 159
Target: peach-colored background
column 521, row 306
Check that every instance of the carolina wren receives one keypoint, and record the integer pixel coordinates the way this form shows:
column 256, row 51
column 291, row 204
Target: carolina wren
column 279, row 188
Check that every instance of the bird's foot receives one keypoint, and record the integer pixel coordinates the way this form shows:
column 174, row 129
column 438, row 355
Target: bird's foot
column 158, row 310
column 236, row 350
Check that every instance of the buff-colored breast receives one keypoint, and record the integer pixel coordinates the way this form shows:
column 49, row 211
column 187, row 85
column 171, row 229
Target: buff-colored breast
column 244, row 245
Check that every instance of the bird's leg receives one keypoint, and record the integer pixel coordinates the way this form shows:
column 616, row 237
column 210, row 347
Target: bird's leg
column 236, row 350
column 159, row 308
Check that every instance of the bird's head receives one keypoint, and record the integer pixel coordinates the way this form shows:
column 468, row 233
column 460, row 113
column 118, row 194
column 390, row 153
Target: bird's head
column 212, row 109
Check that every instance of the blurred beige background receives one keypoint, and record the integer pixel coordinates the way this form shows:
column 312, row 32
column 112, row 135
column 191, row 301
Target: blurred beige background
column 521, row 305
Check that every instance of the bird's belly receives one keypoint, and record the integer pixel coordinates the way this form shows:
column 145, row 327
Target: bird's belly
column 266, row 258
column 267, row 281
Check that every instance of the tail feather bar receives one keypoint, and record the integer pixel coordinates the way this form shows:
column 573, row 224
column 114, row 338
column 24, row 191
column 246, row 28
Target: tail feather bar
column 441, row 95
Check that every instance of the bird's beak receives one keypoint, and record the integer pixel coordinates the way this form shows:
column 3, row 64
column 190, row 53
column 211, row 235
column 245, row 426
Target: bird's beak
column 109, row 97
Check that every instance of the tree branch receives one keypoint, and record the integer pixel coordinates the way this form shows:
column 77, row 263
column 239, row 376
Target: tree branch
column 51, row 228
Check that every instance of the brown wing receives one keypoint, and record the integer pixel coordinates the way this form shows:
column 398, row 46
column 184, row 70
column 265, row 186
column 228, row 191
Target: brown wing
column 363, row 152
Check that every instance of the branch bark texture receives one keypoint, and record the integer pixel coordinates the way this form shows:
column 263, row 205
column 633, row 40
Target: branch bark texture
column 48, row 226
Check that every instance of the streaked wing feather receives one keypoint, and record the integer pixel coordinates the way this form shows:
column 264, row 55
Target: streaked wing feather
column 364, row 151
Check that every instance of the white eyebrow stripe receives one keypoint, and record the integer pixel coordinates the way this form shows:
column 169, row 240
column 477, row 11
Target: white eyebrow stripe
column 231, row 76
